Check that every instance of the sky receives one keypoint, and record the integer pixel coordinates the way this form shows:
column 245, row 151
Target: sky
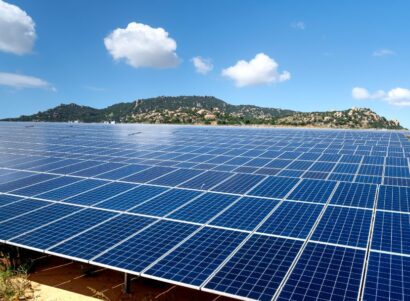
column 300, row 55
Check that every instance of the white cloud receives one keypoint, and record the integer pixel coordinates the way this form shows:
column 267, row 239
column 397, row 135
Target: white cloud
column 23, row 81
column 202, row 65
column 260, row 70
column 383, row 52
column 399, row 97
column 298, row 25
column 396, row 96
column 141, row 45
column 17, row 29
column 363, row 93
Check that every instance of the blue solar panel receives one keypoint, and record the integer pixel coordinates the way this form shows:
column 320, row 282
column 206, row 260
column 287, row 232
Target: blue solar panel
column 7, row 199
column 371, row 170
column 354, row 194
column 122, row 172
column 203, row 208
column 239, row 183
column 399, row 172
column 313, row 191
column 99, row 169
column 195, row 260
column 388, row 277
column 166, row 202
column 292, row 219
column 346, row 226
column 176, row 177
column 99, row 194
column 42, row 187
column 102, row 237
column 394, row 198
column 74, row 167
column 11, row 228
column 346, row 168
column 245, row 214
column 132, row 198
column 257, row 269
column 138, row 252
column 392, row 232
column 206, row 180
column 14, row 209
column 275, row 187
column 325, row 272
column 16, row 184
column 53, row 233
column 148, row 174
column 62, row 193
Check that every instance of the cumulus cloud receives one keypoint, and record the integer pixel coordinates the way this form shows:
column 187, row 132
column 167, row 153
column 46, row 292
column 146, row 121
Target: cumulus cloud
column 363, row 93
column 202, row 65
column 399, row 97
column 141, row 45
column 383, row 52
column 17, row 29
column 298, row 25
column 20, row 81
column 259, row 70
column 396, row 96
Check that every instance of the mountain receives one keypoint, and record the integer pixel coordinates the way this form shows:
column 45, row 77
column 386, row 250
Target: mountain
column 210, row 110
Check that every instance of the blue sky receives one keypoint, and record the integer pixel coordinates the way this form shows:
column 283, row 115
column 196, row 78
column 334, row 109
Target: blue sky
column 312, row 54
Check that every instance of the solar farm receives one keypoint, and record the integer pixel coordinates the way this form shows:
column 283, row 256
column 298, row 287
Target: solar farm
column 247, row 213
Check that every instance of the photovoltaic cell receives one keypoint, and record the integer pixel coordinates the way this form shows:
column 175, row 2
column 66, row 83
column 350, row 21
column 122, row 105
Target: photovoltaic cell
column 345, row 226
column 312, row 191
column 132, row 198
column 394, row 198
column 195, row 260
column 239, row 183
column 176, row 177
column 257, row 268
column 245, row 214
column 206, row 180
column 42, row 187
column 15, row 209
column 325, row 272
column 275, row 187
column 292, row 219
column 32, row 220
column 388, row 277
column 166, row 202
column 392, row 232
column 203, row 208
column 148, row 174
column 102, row 237
column 138, row 252
column 53, row 233
column 99, row 194
column 71, row 190
column 354, row 194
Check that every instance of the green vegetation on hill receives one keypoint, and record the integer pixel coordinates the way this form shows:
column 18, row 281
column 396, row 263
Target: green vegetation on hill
column 209, row 110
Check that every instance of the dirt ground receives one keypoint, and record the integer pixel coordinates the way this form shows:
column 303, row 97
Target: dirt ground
column 58, row 279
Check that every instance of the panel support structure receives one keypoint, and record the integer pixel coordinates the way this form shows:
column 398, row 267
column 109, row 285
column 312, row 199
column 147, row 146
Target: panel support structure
column 127, row 283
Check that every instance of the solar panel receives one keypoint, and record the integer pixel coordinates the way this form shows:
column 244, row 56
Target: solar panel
column 204, row 207
column 46, row 236
column 138, row 252
column 354, row 194
column 312, row 191
column 325, row 272
column 388, row 277
column 257, row 269
column 245, row 214
column 392, row 232
column 248, row 213
column 275, row 187
column 88, row 244
column 394, row 198
column 195, row 260
column 292, row 219
column 345, row 226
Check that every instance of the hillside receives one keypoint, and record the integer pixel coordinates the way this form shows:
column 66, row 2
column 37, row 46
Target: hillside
column 209, row 110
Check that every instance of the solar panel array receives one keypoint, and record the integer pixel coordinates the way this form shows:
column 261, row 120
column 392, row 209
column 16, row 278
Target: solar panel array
column 264, row 214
